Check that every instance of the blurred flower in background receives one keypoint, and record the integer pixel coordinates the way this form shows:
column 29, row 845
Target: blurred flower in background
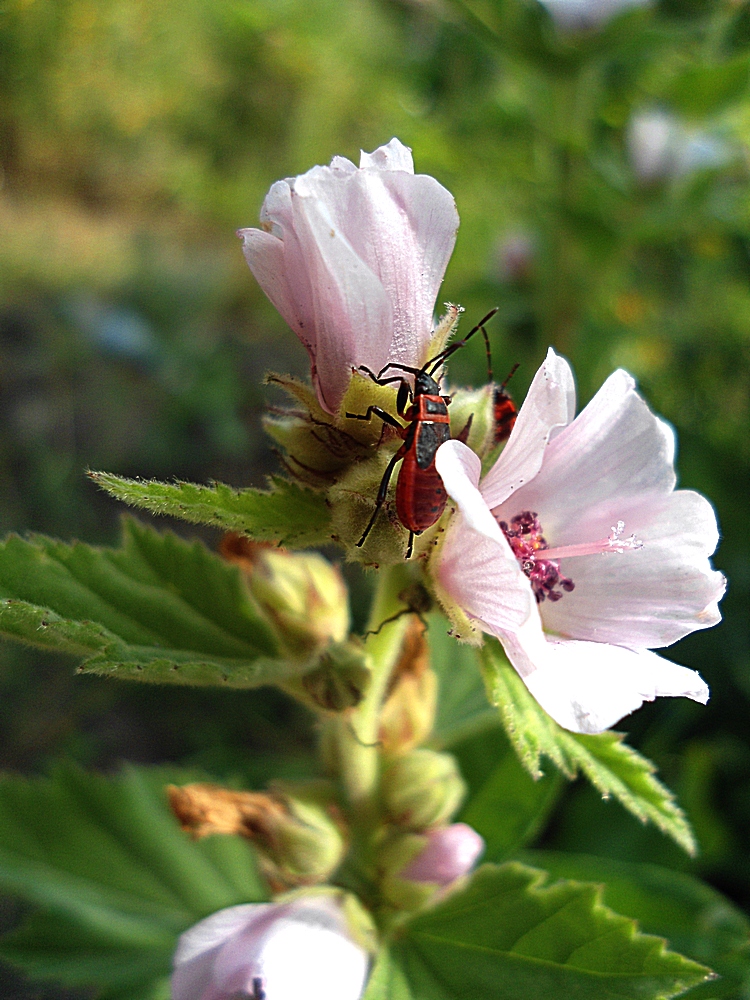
column 577, row 15
column 661, row 146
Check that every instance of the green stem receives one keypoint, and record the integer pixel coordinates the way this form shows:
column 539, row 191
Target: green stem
column 356, row 736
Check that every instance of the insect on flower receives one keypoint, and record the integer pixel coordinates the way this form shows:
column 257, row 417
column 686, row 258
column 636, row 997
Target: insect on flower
column 420, row 494
column 504, row 410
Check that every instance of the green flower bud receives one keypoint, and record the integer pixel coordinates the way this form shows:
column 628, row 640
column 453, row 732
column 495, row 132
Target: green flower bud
column 294, row 828
column 301, row 592
column 422, row 789
column 341, row 679
column 307, row 845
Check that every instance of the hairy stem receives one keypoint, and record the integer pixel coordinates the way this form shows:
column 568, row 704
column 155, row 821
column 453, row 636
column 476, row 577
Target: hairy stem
column 356, row 736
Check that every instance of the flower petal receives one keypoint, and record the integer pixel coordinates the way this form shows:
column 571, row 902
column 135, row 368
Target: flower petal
column 450, row 852
column 550, row 403
column 222, row 955
column 589, row 686
column 477, row 573
column 353, row 314
column 615, row 449
column 460, row 469
column 648, row 597
column 393, row 156
column 194, row 961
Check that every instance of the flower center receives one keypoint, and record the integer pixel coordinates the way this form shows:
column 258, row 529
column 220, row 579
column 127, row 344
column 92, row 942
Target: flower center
column 525, row 538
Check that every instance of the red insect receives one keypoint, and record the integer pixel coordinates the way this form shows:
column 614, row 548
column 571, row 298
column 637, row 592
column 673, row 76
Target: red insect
column 420, row 494
column 504, row 410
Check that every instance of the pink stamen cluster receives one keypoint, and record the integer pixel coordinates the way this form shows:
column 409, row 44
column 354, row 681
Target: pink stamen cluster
column 525, row 538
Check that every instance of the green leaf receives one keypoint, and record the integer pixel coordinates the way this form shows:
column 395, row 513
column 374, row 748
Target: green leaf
column 113, row 879
column 462, row 700
column 510, row 936
column 696, row 919
column 507, row 807
column 610, row 765
column 156, row 609
column 287, row 513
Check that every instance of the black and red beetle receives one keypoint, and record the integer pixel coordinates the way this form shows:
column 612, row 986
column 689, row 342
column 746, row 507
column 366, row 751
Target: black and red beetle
column 420, row 494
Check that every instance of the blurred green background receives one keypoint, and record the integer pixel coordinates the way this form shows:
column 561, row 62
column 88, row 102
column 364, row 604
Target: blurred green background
column 602, row 179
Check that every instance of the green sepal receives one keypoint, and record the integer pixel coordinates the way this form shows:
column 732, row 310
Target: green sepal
column 509, row 935
column 157, row 609
column 612, row 767
column 287, row 513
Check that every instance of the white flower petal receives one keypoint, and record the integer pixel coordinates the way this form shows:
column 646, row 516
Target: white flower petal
column 194, row 961
column 265, row 256
column 460, row 469
column 353, row 314
column 550, row 403
column 416, row 239
column 300, row 948
column 589, row 686
column 309, row 954
column 646, row 597
column 393, row 156
column 480, row 577
column 615, row 449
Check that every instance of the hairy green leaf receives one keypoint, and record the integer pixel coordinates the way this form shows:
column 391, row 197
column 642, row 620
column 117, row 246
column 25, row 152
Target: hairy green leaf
column 506, row 806
column 510, row 936
column 157, row 609
column 287, row 513
column 610, row 765
column 112, row 878
column 696, row 919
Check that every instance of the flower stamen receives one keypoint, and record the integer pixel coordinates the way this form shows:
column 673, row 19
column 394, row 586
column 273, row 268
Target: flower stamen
column 614, row 543
column 525, row 538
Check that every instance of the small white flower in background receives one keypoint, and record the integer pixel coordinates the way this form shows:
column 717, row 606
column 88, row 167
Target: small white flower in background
column 660, row 146
column 576, row 15
column 353, row 260
column 451, row 852
column 577, row 552
column 282, row 951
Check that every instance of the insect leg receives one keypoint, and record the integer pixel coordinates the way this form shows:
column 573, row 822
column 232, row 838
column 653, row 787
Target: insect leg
column 379, row 412
column 376, row 378
column 410, row 546
column 382, row 494
column 403, row 397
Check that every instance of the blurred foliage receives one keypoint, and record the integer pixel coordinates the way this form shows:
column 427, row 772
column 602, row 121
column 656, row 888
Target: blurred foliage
column 135, row 137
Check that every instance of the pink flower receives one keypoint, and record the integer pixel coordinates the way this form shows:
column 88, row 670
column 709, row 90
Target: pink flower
column 281, row 951
column 451, row 852
column 578, row 554
column 353, row 260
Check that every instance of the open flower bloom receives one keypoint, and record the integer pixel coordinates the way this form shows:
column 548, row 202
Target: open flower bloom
column 579, row 520
column 281, row 951
column 450, row 852
column 353, row 260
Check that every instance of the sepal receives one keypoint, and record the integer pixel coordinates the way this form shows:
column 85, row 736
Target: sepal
column 422, row 789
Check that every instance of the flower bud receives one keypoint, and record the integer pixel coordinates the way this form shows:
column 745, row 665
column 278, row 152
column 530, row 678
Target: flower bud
column 450, row 852
column 341, row 679
column 422, row 789
column 280, row 951
column 415, row 867
column 408, row 714
column 302, row 593
column 293, row 827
